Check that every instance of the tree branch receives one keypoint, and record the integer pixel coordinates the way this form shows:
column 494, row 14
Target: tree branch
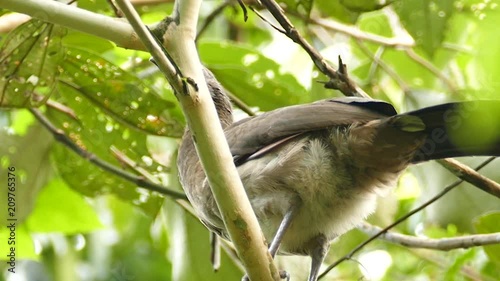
column 469, row 175
column 82, row 20
column 443, row 244
column 179, row 40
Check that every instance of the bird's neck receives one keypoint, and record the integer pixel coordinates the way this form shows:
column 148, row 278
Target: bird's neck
column 221, row 101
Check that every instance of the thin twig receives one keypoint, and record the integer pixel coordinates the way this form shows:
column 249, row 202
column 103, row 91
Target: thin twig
column 115, row 9
column 443, row 244
column 127, row 161
column 55, row 105
column 241, row 104
column 400, row 220
column 467, row 174
column 244, row 9
column 267, row 21
column 376, row 57
column 61, row 137
column 355, row 32
column 338, row 80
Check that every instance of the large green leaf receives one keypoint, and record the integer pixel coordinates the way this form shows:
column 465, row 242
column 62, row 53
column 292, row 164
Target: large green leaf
column 120, row 94
column 28, row 64
column 251, row 76
column 97, row 132
column 426, row 21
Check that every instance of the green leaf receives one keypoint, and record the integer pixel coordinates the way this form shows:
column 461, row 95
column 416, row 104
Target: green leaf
column 426, row 21
column 251, row 76
column 120, row 94
column 97, row 132
column 29, row 62
column 60, row 209
column 489, row 224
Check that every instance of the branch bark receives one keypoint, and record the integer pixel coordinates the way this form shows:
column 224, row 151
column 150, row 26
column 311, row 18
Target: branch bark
column 210, row 141
column 469, row 175
column 443, row 244
column 113, row 29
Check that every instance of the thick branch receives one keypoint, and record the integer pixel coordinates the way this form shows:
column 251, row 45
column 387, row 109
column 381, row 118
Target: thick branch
column 113, row 29
column 211, row 144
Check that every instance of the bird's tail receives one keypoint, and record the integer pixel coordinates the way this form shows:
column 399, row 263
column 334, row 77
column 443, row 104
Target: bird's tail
column 459, row 129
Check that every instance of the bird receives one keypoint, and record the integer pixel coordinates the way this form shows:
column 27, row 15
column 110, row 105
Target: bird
column 313, row 171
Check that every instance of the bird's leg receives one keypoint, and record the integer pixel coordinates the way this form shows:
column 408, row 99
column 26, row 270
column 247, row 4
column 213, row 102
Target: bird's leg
column 319, row 249
column 285, row 224
column 278, row 237
column 215, row 251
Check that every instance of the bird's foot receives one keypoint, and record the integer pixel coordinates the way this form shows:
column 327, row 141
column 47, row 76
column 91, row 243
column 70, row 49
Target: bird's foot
column 283, row 275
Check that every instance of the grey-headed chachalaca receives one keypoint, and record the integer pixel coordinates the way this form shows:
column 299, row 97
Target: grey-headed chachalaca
column 313, row 170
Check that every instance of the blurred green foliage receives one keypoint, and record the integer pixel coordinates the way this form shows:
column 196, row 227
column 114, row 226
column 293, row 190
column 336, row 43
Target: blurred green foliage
column 78, row 222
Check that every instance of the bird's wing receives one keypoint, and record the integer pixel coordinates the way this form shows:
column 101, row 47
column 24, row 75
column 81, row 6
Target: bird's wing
column 270, row 129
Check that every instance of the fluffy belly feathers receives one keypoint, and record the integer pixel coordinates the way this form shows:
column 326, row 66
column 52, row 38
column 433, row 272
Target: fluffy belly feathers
column 322, row 184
